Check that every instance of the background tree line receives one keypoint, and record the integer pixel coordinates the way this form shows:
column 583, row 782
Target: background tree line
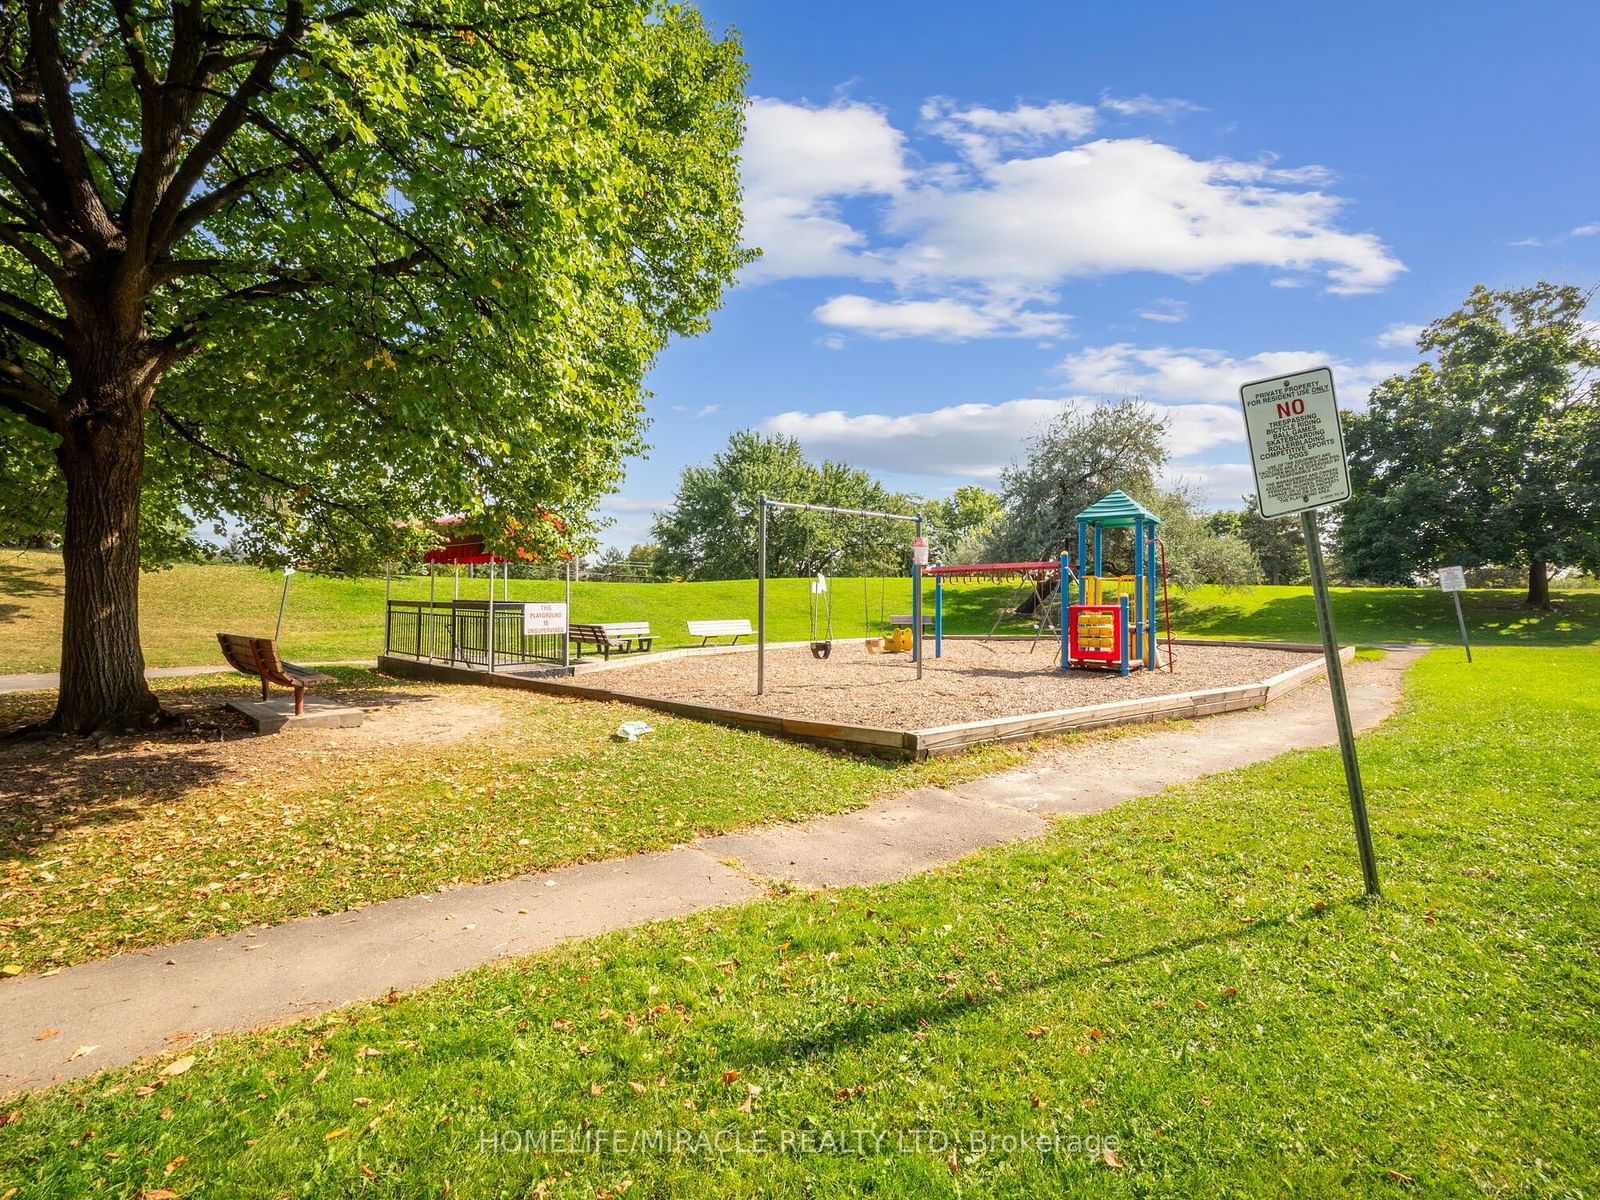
column 1485, row 455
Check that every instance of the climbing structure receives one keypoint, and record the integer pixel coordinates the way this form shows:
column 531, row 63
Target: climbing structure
column 1113, row 624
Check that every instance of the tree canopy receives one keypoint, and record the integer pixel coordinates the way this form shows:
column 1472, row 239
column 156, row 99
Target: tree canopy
column 319, row 271
column 710, row 530
column 1083, row 453
column 1489, row 453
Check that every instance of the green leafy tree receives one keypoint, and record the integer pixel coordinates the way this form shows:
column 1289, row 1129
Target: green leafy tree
column 320, row 270
column 960, row 526
column 1490, row 453
column 1083, row 453
column 1277, row 544
column 1196, row 551
column 710, row 531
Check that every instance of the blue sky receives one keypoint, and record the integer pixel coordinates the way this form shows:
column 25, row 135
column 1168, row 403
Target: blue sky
column 972, row 215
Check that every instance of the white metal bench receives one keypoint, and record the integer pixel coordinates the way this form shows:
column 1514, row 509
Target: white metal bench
column 905, row 619
column 706, row 630
column 622, row 636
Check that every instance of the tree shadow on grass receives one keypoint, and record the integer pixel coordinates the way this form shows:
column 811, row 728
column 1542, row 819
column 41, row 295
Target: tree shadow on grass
column 18, row 581
column 865, row 1023
column 50, row 785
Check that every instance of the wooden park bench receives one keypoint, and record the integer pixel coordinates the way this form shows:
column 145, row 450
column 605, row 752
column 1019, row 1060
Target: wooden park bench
column 259, row 657
column 622, row 636
column 706, row 630
column 905, row 619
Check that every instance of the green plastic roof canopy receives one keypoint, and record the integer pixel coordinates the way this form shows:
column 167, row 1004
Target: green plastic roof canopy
column 1117, row 511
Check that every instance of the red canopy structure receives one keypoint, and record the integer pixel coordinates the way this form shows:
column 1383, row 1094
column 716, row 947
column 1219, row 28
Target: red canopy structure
column 462, row 548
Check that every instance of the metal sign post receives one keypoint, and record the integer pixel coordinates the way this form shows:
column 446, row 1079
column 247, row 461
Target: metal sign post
column 283, row 602
column 1454, row 581
column 1297, row 453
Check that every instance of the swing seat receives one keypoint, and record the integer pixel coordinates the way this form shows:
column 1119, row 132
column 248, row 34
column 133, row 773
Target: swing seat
column 821, row 650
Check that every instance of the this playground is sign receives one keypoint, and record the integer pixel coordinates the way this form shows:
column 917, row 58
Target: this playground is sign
column 1296, row 444
column 543, row 618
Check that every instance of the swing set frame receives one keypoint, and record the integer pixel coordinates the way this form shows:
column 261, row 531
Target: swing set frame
column 765, row 505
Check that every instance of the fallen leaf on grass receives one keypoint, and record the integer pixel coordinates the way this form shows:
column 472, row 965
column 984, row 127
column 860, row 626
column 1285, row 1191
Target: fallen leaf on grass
column 1112, row 1159
column 1399, row 1177
column 10, row 1118
column 159, row 1194
column 81, row 1051
column 1035, row 1031
column 335, row 1133
column 178, row 1065
column 175, row 1164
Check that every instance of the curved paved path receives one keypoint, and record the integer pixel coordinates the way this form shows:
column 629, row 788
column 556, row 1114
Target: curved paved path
column 159, row 1000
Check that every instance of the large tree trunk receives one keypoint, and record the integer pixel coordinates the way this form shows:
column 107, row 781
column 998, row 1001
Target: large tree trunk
column 1538, row 584
column 102, row 666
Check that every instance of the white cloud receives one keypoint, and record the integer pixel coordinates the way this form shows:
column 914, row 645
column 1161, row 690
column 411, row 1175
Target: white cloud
column 694, row 414
column 982, row 134
column 974, row 441
column 799, row 160
column 1527, row 241
column 1015, row 216
column 946, row 319
column 1145, row 105
column 1400, row 334
column 1218, row 484
column 1586, row 230
column 632, row 504
column 1130, row 205
column 1168, row 375
column 1192, row 428
column 1166, row 310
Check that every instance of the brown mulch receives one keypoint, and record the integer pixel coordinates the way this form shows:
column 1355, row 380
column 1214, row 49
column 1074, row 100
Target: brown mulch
column 973, row 681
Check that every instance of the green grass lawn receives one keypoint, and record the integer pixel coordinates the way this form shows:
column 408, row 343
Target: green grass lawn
column 140, row 843
column 341, row 619
column 1189, row 974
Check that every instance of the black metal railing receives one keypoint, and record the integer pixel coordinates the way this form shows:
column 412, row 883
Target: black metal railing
column 458, row 631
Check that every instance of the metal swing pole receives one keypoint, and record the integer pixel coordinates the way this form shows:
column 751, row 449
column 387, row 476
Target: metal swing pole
column 761, row 600
column 916, row 604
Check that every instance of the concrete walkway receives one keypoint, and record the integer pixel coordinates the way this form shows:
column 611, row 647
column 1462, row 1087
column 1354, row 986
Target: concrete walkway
column 145, row 1003
column 49, row 680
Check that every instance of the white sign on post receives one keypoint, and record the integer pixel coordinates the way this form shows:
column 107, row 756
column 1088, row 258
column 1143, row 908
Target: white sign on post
column 543, row 618
column 1452, row 579
column 1296, row 444
column 919, row 551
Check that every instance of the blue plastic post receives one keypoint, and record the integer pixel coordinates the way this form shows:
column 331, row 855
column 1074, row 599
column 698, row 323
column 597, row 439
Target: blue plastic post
column 1138, row 587
column 1126, row 632
column 938, row 616
column 1061, row 600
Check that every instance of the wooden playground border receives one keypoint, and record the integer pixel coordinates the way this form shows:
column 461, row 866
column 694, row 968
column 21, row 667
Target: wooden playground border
column 894, row 743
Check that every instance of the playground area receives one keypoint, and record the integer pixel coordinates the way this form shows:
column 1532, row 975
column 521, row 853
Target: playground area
column 973, row 680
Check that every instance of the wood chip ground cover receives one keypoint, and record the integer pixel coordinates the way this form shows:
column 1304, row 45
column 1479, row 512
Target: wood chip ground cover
column 972, row 681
